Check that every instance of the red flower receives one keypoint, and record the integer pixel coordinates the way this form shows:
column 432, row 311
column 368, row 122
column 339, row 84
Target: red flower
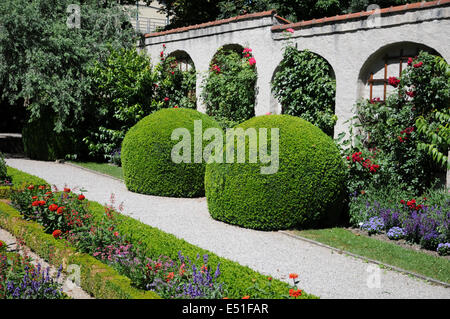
column 42, row 187
column 35, row 203
column 161, row 54
column 66, row 190
column 166, row 99
column 293, row 276
column 30, row 187
column 60, row 210
column 81, row 197
column 56, row 234
column 410, row 93
column 295, row 293
column 246, row 297
column 410, row 61
column 34, row 197
column 175, row 107
column 42, row 202
column 169, row 276
column 375, row 99
column 393, row 81
column 53, row 207
column 402, row 202
column 252, row 61
column 418, row 65
column 269, row 278
column 116, row 234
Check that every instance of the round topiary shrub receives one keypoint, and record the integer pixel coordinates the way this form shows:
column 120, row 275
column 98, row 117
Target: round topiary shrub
column 305, row 191
column 146, row 155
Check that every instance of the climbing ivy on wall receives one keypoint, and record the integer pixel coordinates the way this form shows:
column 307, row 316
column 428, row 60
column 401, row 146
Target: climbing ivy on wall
column 305, row 86
column 229, row 87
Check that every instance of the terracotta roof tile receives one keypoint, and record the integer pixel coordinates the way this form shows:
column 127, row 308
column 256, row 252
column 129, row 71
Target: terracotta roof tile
column 405, row 7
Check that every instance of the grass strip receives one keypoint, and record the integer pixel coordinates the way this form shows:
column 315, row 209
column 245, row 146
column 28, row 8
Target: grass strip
column 388, row 253
column 105, row 168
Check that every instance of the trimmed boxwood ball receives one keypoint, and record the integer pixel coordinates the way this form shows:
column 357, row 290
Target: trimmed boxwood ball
column 306, row 190
column 146, row 155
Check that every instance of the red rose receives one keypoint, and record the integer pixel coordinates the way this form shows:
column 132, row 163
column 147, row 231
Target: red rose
column 418, row 65
column 56, row 234
column 81, row 197
column 53, row 207
column 410, row 93
column 393, row 81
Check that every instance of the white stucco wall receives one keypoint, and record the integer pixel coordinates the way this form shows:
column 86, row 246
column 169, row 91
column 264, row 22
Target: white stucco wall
column 348, row 45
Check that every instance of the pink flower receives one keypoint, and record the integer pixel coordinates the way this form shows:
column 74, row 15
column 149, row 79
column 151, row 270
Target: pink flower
column 247, row 50
column 268, row 113
column 410, row 61
column 166, row 99
column 290, row 30
column 252, row 61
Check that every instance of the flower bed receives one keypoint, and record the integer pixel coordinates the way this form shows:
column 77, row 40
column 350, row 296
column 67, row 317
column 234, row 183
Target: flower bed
column 417, row 221
column 150, row 258
column 20, row 279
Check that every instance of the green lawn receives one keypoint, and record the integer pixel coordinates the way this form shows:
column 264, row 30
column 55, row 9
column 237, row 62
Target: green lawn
column 104, row 168
column 385, row 252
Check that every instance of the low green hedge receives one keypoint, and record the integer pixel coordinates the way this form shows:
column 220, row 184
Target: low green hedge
column 305, row 191
column 98, row 279
column 147, row 162
column 241, row 280
column 5, row 191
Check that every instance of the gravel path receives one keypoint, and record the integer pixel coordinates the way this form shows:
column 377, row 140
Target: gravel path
column 70, row 288
column 322, row 272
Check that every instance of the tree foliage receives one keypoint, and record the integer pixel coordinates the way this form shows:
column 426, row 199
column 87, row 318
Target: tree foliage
column 44, row 60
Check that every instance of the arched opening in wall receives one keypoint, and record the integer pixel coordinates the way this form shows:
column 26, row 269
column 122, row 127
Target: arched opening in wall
column 184, row 78
column 229, row 88
column 403, row 115
column 304, row 84
column 389, row 61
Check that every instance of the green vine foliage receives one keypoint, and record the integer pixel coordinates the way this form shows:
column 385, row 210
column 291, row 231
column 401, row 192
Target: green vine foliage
column 126, row 89
column 229, row 88
column 305, row 87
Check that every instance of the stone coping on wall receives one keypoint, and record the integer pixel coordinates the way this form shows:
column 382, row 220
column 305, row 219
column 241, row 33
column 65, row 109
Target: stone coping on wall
column 275, row 19
column 408, row 13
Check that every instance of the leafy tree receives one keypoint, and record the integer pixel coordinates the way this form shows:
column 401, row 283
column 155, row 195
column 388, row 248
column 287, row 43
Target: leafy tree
column 184, row 12
column 44, row 63
column 126, row 88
